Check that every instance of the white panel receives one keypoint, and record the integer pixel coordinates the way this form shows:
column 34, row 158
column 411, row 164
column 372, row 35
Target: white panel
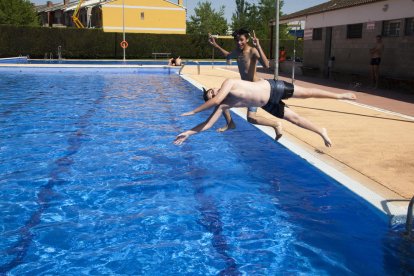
column 86, row 3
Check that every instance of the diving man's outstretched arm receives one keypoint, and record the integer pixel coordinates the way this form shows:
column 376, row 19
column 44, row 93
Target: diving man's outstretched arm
column 212, row 119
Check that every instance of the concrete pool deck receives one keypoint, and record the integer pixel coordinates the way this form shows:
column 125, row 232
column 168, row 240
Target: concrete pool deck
column 373, row 137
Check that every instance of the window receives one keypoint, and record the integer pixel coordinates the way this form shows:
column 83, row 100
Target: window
column 409, row 26
column 391, row 28
column 317, row 34
column 354, row 31
column 142, row 16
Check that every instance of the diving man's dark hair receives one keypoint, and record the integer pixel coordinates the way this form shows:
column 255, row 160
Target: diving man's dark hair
column 205, row 97
column 241, row 31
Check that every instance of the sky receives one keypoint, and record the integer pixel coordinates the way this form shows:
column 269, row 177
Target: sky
column 230, row 5
column 289, row 6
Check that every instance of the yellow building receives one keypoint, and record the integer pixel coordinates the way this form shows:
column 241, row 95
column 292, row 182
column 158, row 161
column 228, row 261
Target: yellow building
column 144, row 16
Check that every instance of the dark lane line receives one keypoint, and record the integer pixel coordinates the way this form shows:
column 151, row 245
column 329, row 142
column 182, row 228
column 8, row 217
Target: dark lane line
column 46, row 193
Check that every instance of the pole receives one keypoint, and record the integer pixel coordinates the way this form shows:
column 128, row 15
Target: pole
column 276, row 75
column 212, row 64
column 294, row 55
column 123, row 25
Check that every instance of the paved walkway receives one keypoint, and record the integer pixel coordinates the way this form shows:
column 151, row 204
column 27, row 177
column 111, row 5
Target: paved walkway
column 373, row 147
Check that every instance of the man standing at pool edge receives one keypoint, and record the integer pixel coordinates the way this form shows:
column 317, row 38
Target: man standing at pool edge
column 376, row 53
column 247, row 58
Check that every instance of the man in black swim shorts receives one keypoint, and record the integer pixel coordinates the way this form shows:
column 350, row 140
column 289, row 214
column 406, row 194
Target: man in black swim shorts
column 280, row 90
column 265, row 93
column 247, row 58
column 375, row 61
column 376, row 53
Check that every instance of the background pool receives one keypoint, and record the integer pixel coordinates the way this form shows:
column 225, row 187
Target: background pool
column 121, row 62
column 90, row 183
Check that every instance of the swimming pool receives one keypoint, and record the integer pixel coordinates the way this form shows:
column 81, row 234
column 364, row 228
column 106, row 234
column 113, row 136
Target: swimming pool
column 120, row 62
column 90, row 183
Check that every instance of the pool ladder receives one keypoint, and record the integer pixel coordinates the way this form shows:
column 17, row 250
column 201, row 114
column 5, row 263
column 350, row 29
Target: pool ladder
column 49, row 56
column 195, row 61
column 59, row 52
column 409, row 223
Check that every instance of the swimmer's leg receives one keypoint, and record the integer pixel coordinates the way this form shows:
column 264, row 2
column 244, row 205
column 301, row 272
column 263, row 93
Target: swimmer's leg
column 258, row 120
column 230, row 123
column 296, row 119
column 302, row 92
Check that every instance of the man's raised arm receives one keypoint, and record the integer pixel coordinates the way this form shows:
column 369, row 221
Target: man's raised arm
column 262, row 56
column 213, row 42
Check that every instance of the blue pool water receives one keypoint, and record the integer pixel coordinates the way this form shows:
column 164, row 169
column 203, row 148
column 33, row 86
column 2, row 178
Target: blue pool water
column 90, row 183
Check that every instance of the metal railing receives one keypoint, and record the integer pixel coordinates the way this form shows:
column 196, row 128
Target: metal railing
column 59, row 52
column 195, row 61
column 409, row 222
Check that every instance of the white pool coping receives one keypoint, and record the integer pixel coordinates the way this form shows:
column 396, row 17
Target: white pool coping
column 398, row 212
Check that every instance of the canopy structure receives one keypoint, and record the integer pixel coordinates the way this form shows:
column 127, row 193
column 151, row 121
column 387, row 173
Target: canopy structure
column 85, row 3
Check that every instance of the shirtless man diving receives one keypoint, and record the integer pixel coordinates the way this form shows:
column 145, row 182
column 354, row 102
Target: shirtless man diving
column 267, row 94
column 247, row 58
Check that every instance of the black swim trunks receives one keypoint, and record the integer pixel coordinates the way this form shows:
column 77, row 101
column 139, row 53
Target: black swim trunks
column 279, row 90
column 375, row 61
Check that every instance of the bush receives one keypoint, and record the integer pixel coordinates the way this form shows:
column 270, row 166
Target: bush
column 94, row 43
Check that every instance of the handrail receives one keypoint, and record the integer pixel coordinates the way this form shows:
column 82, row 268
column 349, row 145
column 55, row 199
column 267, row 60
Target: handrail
column 409, row 222
column 181, row 69
column 198, row 67
column 195, row 61
column 59, row 52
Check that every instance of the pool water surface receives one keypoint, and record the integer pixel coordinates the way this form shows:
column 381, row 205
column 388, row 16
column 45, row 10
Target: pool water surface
column 91, row 183
column 25, row 60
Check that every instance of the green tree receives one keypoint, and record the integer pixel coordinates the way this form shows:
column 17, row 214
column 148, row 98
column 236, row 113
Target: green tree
column 18, row 12
column 267, row 13
column 207, row 20
column 240, row 17
column 257, row 17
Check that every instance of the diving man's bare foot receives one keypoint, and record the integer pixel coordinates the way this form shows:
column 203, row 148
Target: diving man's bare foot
column 325, row 138
column 231, row 125
column 278, row 130
column 347, row 96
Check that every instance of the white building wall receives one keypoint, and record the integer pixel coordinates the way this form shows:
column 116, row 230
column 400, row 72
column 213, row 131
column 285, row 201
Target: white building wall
column 379, row 11
column 352, row 54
